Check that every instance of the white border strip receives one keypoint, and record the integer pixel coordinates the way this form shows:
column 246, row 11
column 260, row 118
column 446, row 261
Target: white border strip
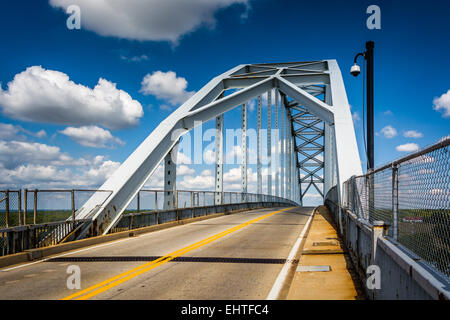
column 275, row 292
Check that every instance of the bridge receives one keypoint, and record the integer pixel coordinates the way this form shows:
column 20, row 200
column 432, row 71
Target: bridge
column 241, row 245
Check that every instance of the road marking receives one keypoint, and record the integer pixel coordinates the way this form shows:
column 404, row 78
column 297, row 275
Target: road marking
column 274, row 293
column 93, row 247
column 31, row 275
column 130, row 274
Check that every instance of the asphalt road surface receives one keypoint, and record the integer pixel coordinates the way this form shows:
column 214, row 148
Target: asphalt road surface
column 237, row 256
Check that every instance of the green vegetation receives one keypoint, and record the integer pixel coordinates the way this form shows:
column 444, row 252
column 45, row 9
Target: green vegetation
column 42, row 216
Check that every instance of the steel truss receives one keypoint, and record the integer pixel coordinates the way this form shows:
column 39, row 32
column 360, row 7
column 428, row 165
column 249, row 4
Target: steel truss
column 299, row 85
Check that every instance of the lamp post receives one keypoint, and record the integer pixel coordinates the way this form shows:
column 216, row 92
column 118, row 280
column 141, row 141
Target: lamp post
column 355, row 71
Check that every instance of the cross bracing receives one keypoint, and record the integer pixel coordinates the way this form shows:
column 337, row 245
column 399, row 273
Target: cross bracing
column 318, row 150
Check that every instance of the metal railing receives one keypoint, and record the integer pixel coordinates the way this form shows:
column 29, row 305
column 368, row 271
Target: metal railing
column 17, row 239
column 24, row 207
column 153, row 200
column 412, row 195
column 10, row 208
column 48, row 216
column 186, row 206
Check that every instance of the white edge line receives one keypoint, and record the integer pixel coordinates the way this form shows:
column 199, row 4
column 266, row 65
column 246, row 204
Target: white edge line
column 282, row 276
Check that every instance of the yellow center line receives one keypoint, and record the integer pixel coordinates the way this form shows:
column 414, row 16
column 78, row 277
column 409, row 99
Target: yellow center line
column 132, row 273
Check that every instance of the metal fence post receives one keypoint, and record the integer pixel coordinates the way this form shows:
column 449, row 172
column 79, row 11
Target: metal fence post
column 156, row 201
column 25, row 205
column 7, row 208
column 395, row 200
column 35, row 206
column 73, row 207
column 138, row 202
column 20, row 206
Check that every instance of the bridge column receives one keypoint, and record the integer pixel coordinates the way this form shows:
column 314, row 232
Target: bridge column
column 288, row 155
column 170, row 179
column 258, row 133
column 282, row 110
column 277, row 146
column 244, row 152
column 269, row 142
column 219, row 161
column 328, row 149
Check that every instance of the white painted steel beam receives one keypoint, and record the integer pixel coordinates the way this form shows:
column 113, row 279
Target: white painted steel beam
column 208, row 103
column 219, row 161
column 259, row 146
column 269, row 142
column 170, row 179
column 277, row 146
column 282, row 112
column 244, row 152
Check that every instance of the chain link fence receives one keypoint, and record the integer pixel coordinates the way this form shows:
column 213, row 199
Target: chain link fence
column 412, row 195
column 10, row 208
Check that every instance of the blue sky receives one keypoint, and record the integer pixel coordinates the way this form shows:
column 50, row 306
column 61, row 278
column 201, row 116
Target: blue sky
column 198, row 41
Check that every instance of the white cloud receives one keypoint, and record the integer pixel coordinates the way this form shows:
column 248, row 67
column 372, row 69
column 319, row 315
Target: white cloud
column 92, row 136
column 147, row 20
column 184, row 170
column 388, row 113
column 389, row 132
column 413, row 134
column 8, row 131
column 49, row 96
column 408, row 147
column 35, row 165
column 355, row 116
column 11, row 132
column 442, row 104
column 204, row 181
column 142, row 57
column 166, row 86
column 165, row 107
column 14, row 153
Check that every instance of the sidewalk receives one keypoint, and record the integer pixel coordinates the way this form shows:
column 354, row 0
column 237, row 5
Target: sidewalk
column 324, row 251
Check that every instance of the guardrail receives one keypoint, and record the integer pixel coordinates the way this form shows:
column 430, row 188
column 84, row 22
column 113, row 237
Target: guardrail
column 196, row 208
column 21, row 238
column 145, row 210
column 410, row 199
column 412, row 195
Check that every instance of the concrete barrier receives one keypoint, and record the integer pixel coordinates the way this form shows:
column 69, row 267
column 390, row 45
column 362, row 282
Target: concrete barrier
column 403, row 276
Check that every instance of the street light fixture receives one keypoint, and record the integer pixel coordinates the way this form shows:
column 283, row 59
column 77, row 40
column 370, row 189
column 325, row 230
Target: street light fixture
column 355, row 71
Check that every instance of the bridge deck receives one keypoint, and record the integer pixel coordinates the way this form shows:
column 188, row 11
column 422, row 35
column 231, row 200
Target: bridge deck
column 237, row 256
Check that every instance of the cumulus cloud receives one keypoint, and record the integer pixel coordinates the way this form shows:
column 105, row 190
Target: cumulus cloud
column 14, row 153
column 408, row 147
column 35, row 165
column 10, row 132
column 204, row 181
column 389, row 132
column 166, row 86
column 147, row 20
column 413, row 134
column 442, row 104
column 92, row 136
column 49, row 96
